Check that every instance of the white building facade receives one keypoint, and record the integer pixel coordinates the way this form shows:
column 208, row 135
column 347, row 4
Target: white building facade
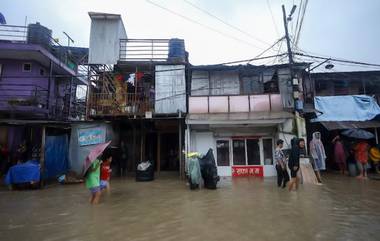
column 240, row 112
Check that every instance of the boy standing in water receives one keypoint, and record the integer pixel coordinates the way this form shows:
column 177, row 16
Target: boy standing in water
column 93, row 181
column 105, row 172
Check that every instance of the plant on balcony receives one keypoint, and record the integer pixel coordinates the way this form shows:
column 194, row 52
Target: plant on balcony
column 23, row 102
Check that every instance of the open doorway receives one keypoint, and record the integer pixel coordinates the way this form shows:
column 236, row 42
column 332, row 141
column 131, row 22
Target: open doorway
column 169, row 152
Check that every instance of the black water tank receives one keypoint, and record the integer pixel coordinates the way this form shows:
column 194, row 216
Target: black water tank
column 38, row 34
column 177, row 48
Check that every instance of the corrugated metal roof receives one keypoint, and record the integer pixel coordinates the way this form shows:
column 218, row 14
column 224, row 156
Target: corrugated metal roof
column 340, row 125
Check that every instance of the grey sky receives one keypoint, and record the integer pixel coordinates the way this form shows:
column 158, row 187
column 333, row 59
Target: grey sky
column 341, row 28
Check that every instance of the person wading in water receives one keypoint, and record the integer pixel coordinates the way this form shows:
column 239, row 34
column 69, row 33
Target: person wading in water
column 294, row 162
column 280, row 163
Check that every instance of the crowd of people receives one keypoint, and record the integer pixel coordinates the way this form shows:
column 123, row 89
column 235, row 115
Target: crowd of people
column 352, row 157
column 348, row 156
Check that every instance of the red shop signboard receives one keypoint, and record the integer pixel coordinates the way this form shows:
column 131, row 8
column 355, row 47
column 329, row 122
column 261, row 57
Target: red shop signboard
column 247, row 171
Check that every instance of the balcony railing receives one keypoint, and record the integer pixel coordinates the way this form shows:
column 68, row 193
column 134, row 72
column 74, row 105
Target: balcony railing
column 23, row 97
column 104, row 104
column 235, row 103
column 13, row 33
column 144, row 49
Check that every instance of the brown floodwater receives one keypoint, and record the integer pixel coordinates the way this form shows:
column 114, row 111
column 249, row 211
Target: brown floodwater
column 240, row 209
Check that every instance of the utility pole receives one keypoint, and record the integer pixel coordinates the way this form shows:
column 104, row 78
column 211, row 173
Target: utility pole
column 300, row 122
column 287, row 35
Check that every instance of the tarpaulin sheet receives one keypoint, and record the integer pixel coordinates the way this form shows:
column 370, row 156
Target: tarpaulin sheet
column 56, row 155
column 346, row 108
column 23, row 173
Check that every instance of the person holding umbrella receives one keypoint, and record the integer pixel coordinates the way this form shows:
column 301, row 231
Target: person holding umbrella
column 91, row 172
column 93, row 181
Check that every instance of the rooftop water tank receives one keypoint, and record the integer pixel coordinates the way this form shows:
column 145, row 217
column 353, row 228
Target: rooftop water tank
column 38, row 34
column 177, row 49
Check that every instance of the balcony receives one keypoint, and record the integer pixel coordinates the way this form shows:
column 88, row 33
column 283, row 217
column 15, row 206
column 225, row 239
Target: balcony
column 23, row 98
column 111, row 104
column 13, row 33
column 152, row 50
column 235, row 103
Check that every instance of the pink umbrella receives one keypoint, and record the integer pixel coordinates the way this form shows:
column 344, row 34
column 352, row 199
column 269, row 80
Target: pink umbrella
column 95, row 152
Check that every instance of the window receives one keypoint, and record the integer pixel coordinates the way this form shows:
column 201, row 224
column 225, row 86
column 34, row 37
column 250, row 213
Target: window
column 223, row 152
column 238, row 150
column 1, row 69
column 253, row 152
column 42, row 72
column 26, row 67
column 252, row 85
column 268, row 151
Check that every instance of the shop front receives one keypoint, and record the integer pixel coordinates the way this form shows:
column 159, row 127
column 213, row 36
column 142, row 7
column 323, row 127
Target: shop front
column 241, row 148
column 249, row 155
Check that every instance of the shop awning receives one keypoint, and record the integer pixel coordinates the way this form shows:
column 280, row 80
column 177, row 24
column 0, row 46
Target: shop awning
column 346, row 108
column 340, row 125
column 253, row 118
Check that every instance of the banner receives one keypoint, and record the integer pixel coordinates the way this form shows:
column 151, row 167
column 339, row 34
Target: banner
column 247, row 171
column 91, row 136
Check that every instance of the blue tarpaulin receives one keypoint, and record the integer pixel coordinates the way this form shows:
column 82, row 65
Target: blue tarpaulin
column 346, row 108
column 56, row 155
column 23, row 173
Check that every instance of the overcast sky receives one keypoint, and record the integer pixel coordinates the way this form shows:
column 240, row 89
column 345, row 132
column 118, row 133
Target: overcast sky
column 346, row 29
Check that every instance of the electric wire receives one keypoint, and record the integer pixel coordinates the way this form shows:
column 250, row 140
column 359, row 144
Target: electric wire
column 272, row 16
column 203, row 25
column 338, row 60
column 266, row 50
column 225, row 23
column 298, row 33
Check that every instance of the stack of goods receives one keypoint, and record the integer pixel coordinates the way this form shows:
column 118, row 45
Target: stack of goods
column 121, row 92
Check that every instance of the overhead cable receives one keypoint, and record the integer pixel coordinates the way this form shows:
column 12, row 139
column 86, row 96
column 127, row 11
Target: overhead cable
column 203, row 25
column 338, row 60
column 226, row 23
column 273, row 20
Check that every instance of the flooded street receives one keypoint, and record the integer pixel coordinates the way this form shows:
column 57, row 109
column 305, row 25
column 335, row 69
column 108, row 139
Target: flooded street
column 242, row 209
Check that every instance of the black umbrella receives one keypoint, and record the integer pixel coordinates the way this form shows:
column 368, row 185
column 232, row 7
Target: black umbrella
column 358, row 134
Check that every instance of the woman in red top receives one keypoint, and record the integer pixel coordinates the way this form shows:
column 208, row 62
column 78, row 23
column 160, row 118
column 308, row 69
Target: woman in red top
column 105, row 171
column 361, row 156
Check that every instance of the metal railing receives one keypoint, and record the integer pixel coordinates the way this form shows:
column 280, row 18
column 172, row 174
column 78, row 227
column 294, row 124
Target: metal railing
column 144, row 49
column 19, row 34
column 104, row 104
column 17, row 95
column 13, row 33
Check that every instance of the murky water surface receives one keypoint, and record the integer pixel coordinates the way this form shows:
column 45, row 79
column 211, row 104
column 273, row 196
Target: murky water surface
column 242, row 209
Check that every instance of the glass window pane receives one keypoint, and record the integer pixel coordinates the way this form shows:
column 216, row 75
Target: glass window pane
column 268, row 151
column 253, row 152
column 223, row 152
column 238, row 152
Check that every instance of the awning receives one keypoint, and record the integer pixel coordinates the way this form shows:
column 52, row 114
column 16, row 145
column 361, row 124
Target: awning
column 253, row 118
column 346, row 108
column 340, row 125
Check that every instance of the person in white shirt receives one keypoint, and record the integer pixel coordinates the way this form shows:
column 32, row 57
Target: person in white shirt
column 280, row 164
